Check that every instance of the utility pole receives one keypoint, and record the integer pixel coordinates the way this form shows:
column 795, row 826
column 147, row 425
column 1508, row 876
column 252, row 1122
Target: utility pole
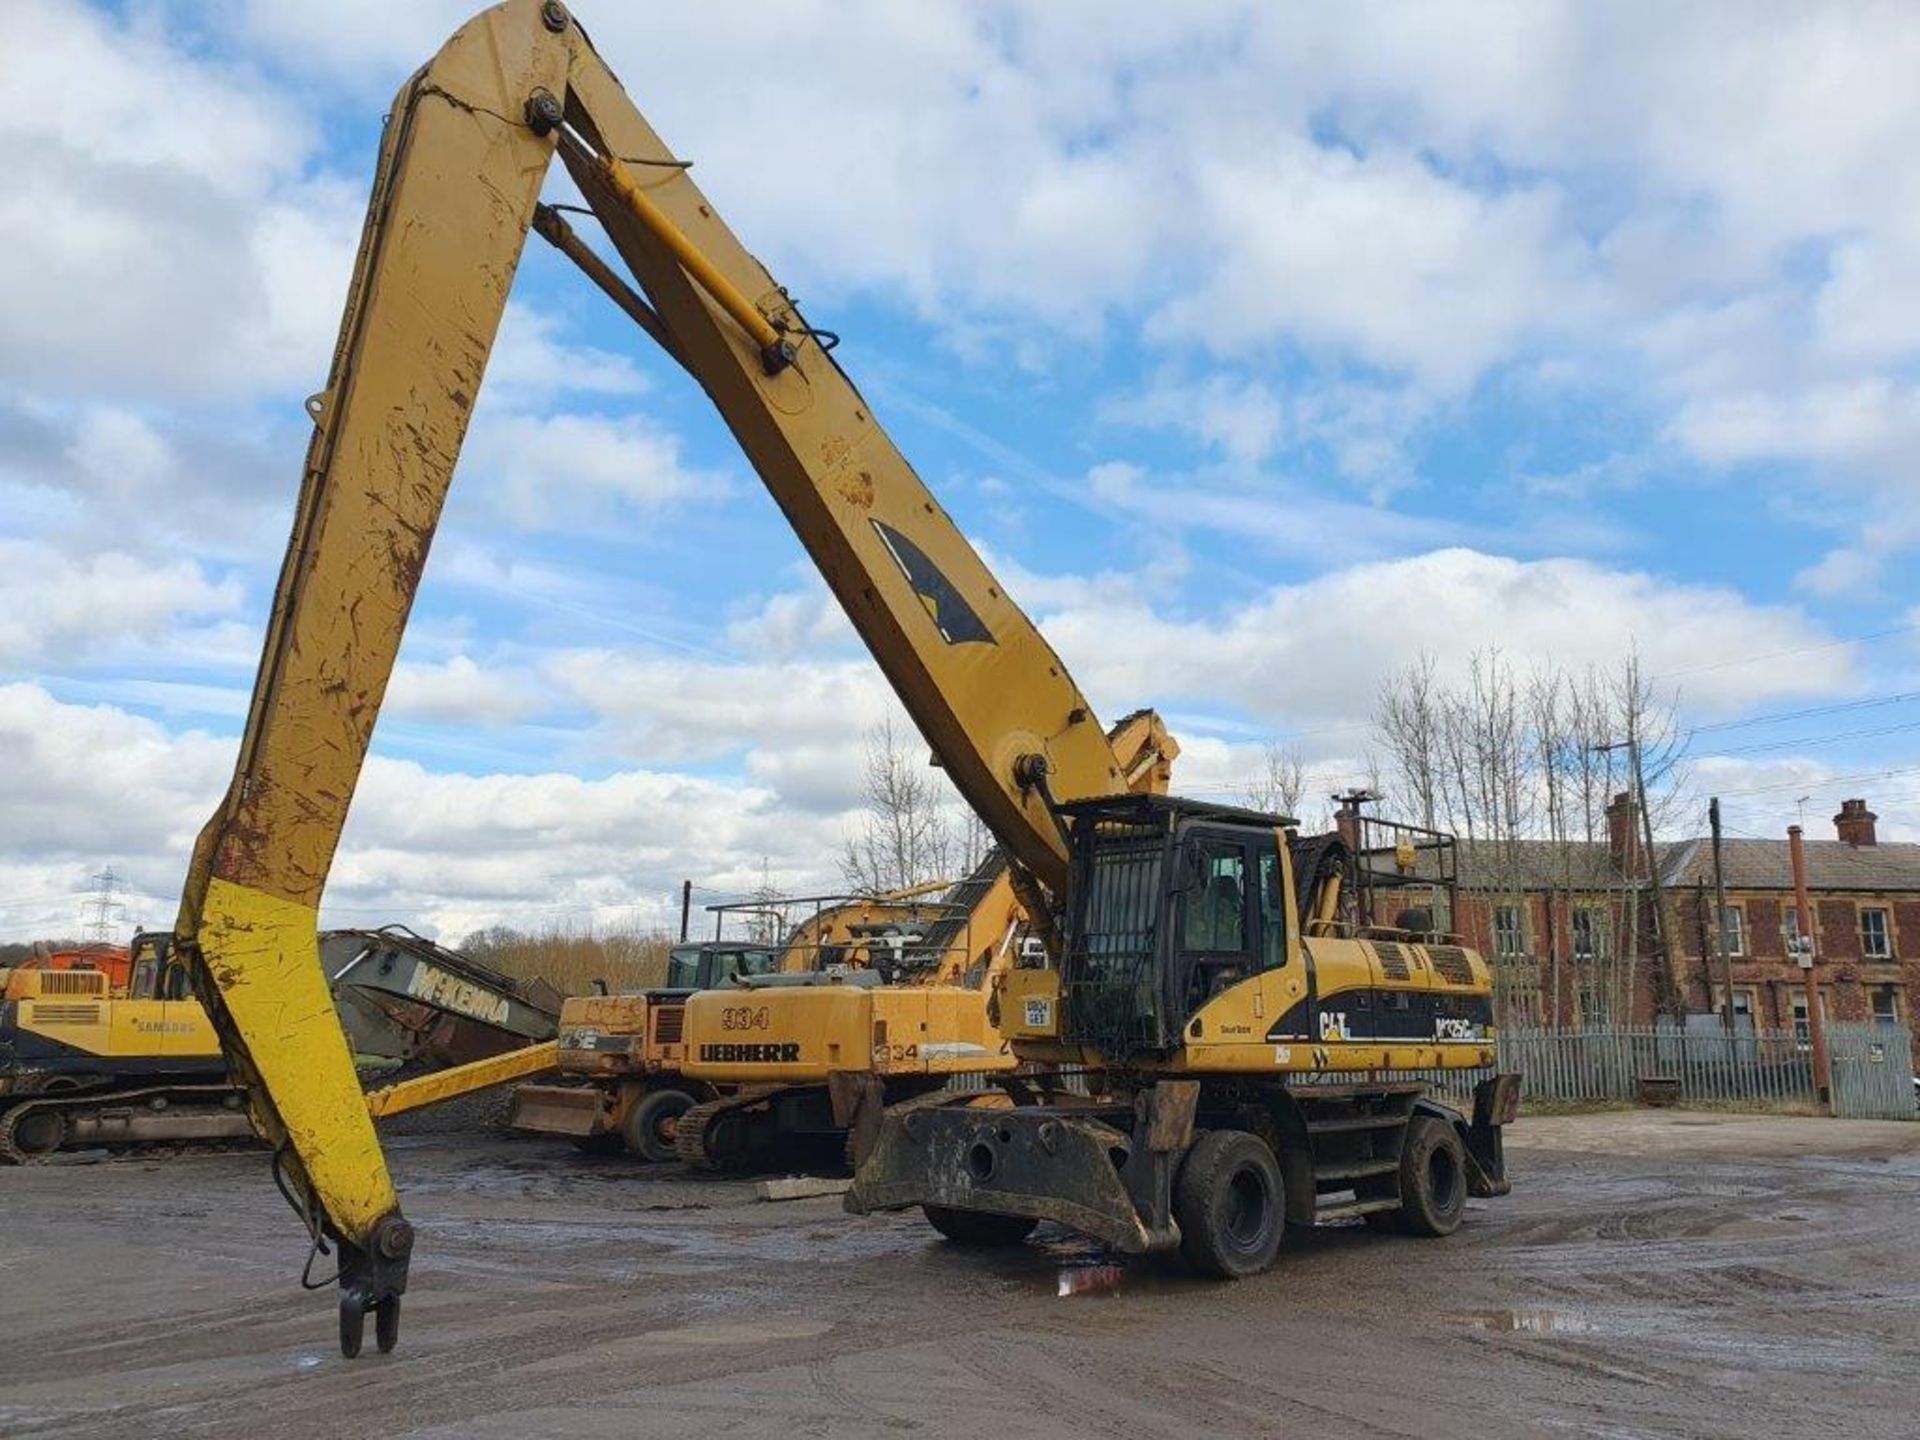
column 1720, row 918
column 1803, row 948
column 686, row 908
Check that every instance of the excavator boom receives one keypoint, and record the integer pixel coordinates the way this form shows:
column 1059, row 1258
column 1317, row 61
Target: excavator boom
column 464, row 155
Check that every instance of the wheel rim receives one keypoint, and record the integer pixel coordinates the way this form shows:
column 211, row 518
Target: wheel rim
column 666, row 1125
column 1443, row 1178
column 1249, row 1208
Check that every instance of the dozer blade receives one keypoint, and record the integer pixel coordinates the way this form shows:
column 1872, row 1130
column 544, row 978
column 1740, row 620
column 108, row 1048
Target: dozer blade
column 559, row 1110
column 1044, row 1164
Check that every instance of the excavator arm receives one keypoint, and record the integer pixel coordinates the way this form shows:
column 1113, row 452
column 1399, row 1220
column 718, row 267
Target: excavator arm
column 465, row 152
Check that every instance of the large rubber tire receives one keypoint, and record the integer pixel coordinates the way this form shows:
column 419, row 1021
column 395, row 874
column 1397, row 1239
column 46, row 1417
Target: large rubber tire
column 1231, row 1205
column 647, row 1127
column 979, row 1229
column 1433, row 1178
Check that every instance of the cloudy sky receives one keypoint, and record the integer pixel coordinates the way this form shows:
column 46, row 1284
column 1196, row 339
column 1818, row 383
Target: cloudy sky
column 1260, row 347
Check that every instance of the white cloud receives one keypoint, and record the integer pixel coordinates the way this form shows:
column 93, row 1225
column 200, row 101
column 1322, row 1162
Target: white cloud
column 662, row 711
column 83, row 787
column 793, row 624
column 1843, row 570
column 1368, row 430
column 579, row 472
column 534, row 360
column 1377, row 258
column 1316, row 652
column 1431, row 192
column 1871, row 422
column 1681, row 213
column 1278, row 516
column 1760, row 797
column 1240, row 416
column 55, row 608
column 156, row 196
column 459, row 691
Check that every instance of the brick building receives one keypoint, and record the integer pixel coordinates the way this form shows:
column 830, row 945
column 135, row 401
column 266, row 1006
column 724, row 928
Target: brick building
column 1555, row 921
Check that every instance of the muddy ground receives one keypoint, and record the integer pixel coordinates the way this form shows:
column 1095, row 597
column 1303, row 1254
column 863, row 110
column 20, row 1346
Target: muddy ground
column 1653, row 1274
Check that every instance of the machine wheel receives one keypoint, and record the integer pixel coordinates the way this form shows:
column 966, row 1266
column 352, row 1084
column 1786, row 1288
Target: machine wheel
column 386, row 1324
column 648, row 1128
column 979, row 1229
column 1433, row 1178
column 1230, row 1204
column 31, row 1132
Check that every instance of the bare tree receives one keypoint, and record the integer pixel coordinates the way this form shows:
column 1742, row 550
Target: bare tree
column 1503, row 761
column 1407, row 723
column 1280, row 784
column 908, row 833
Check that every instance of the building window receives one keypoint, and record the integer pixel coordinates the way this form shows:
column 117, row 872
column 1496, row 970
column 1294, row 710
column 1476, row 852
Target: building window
column 1789, row 925
column 1876, row 935
column 1802, row 1032
column 1733, row 929
column 1744, row 1003
column 1886, row 1004
column 1509, row 932
column 1589, row 935
column 1596, row 1006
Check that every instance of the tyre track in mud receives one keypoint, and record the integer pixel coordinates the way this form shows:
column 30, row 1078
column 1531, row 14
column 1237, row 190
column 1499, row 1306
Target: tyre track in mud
column 1644, row 1294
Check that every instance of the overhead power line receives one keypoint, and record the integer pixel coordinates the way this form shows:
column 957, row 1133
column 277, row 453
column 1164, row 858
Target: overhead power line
column 1781, row 716
column 1823, row 782
column 1833, row 739
column 1784, row 654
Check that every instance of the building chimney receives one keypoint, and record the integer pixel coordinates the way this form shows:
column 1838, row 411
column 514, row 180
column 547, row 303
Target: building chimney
column 1854, row 823
column 1623, row 834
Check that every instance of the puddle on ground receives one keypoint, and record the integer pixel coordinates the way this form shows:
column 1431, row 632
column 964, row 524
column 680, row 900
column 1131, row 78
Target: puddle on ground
column 1089, row 1280
column 1523, row 1322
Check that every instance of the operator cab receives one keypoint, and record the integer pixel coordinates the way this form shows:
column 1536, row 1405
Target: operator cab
column 714, row 963
column 1172, row 901
column 155, row 973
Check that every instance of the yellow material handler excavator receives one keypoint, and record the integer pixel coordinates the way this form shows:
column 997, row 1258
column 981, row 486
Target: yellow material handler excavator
column 1191, row 1025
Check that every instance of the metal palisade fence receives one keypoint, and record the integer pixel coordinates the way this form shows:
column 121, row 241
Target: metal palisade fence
column 1872, row 1068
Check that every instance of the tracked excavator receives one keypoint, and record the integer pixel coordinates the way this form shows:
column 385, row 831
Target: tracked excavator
column 1240, row 1057
column 110, row 1049
column 85, row 1062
